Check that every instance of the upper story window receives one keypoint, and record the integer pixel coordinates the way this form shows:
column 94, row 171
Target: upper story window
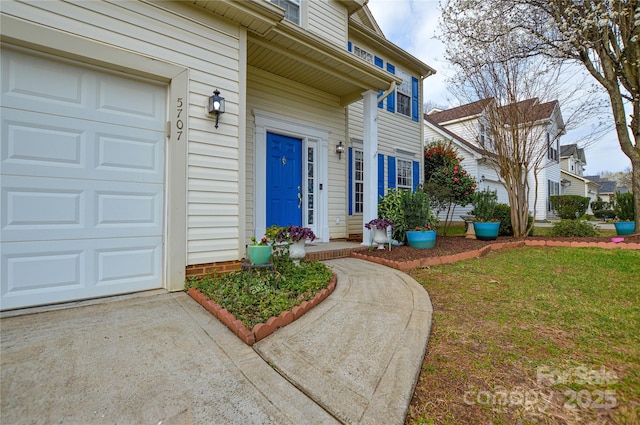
column 572, row 165
column 553, row 148
column 404, row 174
column 483, row 134
column 291, row 9
column 363, row 54
column 404, row 94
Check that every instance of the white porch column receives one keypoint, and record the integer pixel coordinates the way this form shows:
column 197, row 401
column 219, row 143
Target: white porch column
column 370, row 152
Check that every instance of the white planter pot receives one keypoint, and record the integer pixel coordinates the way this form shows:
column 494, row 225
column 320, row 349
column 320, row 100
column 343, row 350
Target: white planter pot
column 297, row 251
column 380, row 237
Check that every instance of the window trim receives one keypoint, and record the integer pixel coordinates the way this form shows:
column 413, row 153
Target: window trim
column 399, row 160
column 355, row 181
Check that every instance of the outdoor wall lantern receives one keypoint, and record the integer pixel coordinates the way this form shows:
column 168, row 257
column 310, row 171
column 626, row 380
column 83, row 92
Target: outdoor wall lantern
column 339, row 149
column 216, row 105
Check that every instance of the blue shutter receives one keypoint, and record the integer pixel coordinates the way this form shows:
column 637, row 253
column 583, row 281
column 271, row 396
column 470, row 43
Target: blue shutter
column 350, row 181
column 350, row 46
column 379, row 63
column 391, row 100
column 380, row 175
column 416, row 175
column 415, row 99
column 391, row 172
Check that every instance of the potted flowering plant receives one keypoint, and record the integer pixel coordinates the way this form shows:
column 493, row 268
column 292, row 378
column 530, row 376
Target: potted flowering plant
column 486, row 225
column 259, row 252
column 422, row 236
column 296, row 237
column 379, row 227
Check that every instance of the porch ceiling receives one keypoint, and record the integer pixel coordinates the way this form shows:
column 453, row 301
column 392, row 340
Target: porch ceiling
column 313, row 64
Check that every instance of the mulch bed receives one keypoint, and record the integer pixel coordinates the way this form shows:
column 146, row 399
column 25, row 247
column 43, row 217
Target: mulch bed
column 450, row 245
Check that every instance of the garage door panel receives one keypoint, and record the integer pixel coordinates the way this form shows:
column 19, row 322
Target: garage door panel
column 57, row 271
column 38, row 143
column 119, row 153
column 127, row 99
column 27, row 83
column 80, row 92
column 51, row 146
column 38, row 208
column 28, row 207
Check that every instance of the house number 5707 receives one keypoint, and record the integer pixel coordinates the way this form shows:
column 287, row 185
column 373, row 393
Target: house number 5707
column 179, row 122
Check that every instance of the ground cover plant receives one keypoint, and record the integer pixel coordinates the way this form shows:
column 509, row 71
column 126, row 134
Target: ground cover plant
column 533, row 335
column 255, row 297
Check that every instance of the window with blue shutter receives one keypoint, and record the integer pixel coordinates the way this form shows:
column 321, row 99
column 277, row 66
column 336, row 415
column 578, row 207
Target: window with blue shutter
column 391, row 100
column 415, row 99
column 380, row 175
column 416, row 175
column 350, row 46
column 391, row 172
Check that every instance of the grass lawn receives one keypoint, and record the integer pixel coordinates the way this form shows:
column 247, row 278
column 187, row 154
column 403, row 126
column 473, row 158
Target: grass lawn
column 533, row 335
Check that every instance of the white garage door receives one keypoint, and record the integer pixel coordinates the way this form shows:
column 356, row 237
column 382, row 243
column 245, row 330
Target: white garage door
column 82, row 172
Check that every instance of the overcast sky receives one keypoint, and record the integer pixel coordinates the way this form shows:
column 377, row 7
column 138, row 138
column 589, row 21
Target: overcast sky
column 413, row 24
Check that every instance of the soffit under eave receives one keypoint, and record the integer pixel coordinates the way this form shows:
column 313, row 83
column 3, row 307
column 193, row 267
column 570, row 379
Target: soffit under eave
column 256, row 16
column 327, row 69
column 353, row 5
column 394, row 52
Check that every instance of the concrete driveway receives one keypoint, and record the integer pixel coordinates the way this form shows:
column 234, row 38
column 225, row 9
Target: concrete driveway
column 146, row 359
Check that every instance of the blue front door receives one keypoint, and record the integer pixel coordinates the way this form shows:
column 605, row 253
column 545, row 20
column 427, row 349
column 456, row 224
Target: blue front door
column 284, row 180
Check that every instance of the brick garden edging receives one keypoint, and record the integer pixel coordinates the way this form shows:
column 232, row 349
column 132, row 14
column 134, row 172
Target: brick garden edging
column 261, row 330
column 405, row 266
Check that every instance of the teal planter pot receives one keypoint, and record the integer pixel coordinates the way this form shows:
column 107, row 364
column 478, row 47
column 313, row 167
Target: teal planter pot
column 625, row 227
column 421, row 239
column 486, row 231
column 259, row 254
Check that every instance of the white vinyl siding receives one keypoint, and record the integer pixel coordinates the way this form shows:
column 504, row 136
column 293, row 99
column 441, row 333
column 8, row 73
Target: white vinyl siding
column 302, row 103
column 329, row 20
column 210, row 49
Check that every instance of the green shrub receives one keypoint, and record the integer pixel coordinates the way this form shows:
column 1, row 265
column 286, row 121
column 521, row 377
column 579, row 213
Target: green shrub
column 390, row 208
column 623, row 206
column 503, row 213
column 602, row 209
column 484, row 204
column 569, row 207
column 573, row 228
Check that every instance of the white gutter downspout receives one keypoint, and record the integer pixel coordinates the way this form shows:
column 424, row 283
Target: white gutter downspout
column 388, row 92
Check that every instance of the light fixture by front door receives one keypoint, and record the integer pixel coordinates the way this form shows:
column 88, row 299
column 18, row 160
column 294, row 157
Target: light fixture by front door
column 339, row 149
column 216, row 105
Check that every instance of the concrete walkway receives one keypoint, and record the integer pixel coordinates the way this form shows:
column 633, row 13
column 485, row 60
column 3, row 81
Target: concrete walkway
column 163, row 359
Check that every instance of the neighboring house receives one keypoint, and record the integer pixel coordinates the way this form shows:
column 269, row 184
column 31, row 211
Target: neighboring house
column 465, row 122
column 474, row 161
column 607, row 189
column 114, row 176
column 572, row 163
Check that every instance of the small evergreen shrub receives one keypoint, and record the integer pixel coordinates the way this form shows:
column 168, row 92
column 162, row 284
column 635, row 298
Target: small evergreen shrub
column 623, row 206
column 503, row 213
column 573, row 228
column 569, row 207
column 602, row 209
